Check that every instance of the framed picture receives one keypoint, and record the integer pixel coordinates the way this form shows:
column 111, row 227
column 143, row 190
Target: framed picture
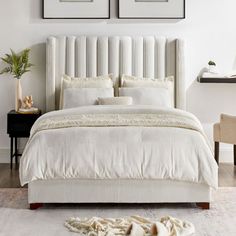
column 151, row 9
column 76, row 9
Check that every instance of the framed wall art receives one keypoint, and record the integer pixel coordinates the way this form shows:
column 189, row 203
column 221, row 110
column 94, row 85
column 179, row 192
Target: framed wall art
column 76, row 9
column 151, row 9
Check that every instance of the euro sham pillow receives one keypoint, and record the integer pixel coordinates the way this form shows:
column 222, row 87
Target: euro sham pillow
column 75, row 97
column 159, row 97
column 115, row 101
column 138, row 82
column 89, row 82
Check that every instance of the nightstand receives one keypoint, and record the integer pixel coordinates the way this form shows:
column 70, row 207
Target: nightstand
column 19, row 126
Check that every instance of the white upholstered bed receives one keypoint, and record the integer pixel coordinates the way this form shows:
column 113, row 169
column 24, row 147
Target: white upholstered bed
column 154, row 57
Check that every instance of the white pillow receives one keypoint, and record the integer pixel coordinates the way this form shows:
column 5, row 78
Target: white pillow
column 137, row 82
column 115, row 101
column 148, row 96
column 133, row 81
column 93, row 82
column 75, row 97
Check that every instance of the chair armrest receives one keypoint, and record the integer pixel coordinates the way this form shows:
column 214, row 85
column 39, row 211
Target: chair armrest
column 227, row 119
column 228, row 129
column 216, row 132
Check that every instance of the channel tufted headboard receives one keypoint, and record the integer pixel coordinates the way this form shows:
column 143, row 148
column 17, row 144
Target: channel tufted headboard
column 85, row 56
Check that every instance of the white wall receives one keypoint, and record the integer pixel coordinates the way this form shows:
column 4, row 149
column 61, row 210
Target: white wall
column 209, row 30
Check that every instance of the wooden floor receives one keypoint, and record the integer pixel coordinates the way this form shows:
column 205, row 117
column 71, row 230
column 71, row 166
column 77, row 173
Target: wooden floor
column 227, row 175
column 10, row 179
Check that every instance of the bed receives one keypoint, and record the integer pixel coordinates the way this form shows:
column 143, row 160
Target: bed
column 129, row 162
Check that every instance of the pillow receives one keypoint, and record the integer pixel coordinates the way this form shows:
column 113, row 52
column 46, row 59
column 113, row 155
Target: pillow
column 93, row 82
column 148, row 96
column 133, row 81
column 115, row 101
column 89, row 82
column 136, row 82
column 75, row 97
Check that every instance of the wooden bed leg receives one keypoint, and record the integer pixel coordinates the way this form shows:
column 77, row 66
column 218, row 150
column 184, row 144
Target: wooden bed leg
column 35, row 206
column 203, row 205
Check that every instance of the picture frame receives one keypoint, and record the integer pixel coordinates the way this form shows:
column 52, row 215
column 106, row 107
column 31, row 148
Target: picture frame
column 151, row 9
column 71, row 9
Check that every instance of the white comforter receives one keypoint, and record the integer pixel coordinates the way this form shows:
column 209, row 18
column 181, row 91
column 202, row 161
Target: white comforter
column 73, row 144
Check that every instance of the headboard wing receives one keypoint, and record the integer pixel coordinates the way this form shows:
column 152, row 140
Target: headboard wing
column 84, row 56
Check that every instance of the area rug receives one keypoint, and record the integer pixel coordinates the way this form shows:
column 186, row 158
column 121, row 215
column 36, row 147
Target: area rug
column 17, row 220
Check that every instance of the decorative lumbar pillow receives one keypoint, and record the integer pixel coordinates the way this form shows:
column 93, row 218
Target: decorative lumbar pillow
column 115, row 101
column 138, row 82
column 89, row 82
column 148, row 96
column 75, row 97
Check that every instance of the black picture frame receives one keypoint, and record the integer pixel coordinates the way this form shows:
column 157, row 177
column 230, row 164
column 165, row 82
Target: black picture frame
column 150, row 18
column 75, row 18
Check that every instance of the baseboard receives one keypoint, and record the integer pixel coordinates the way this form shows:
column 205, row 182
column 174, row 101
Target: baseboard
column 4, row 155
column 226, row 155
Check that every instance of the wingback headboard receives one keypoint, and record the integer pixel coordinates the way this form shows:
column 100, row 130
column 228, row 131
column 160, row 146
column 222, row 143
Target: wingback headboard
column 85, row 56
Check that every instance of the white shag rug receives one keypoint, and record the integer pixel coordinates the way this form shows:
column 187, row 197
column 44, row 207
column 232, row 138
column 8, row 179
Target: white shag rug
column 17, row 220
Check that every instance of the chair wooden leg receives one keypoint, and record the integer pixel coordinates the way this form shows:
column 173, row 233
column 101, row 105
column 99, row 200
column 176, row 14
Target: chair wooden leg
column 35, row 206
column 217, row 150
column 235, row 155
column 203, row 205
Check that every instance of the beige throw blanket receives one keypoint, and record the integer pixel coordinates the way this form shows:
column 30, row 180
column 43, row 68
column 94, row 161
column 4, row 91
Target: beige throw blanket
column 161, row 118
column 133, row 226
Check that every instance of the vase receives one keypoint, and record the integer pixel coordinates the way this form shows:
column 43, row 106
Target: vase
column 18, row 95
column 213, row 69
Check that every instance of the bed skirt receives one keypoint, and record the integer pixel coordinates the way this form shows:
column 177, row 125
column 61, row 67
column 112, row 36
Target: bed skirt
column 116, row 191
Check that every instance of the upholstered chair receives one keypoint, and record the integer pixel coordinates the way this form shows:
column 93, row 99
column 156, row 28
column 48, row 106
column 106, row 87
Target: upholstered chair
column 225, row 132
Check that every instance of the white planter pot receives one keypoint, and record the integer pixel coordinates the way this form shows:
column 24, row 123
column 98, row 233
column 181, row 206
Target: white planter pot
column 18, row 94
column 213, row 69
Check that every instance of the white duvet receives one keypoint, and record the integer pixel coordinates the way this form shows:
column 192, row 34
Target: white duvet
column 118, row 142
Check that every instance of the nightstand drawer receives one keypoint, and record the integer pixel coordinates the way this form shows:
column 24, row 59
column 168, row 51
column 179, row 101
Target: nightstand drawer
column 20, row 124
column 19, row 128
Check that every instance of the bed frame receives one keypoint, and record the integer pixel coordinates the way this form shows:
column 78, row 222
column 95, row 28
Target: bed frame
column 151, row 56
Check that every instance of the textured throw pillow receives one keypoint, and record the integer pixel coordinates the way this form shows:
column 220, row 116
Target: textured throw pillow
column 75, row 97
column 90, row 82
column 137, row 82
column 148, row 96
column 115, row 101
column 133, row 81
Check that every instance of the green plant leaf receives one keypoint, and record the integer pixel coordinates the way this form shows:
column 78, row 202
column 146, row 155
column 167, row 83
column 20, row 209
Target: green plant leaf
column 5, row 60
column 5, row 70
column 25, row 55
column 211, row 63
column 18, row 64
column 29, row 65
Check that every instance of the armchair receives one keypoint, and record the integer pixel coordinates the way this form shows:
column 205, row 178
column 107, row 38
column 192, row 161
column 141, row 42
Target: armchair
column 225, row 132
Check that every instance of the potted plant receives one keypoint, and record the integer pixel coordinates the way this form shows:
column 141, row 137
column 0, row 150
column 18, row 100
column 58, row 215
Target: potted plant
column 212, row 67
column 17, row 65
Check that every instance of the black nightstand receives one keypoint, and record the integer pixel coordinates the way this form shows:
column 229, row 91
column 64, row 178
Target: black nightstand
column 18, row 126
